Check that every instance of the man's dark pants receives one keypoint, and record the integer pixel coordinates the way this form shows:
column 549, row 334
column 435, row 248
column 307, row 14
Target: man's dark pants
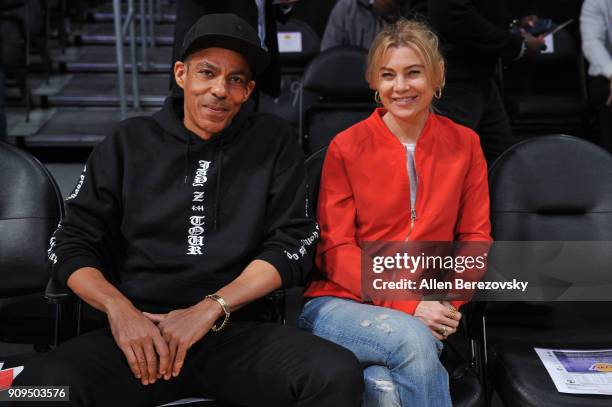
column 479, row 106
column 247, row 363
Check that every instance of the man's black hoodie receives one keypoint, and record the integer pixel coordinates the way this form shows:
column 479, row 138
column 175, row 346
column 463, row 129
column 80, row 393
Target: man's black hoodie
column 169, row 217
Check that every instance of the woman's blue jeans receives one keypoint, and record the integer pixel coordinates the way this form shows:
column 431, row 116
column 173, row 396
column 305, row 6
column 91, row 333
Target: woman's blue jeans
column 399, row 354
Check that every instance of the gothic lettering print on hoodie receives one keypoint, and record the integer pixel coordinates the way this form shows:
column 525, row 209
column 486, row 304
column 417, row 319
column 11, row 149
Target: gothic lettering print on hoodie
column 169, row 217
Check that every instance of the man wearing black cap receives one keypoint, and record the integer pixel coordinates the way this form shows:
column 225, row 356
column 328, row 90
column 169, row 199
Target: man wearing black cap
column 180, row 224
column 262, row 15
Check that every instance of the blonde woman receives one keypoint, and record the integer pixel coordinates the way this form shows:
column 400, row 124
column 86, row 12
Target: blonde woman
column 404, row 172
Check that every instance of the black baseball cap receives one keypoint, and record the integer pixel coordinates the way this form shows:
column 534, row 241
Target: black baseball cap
column 230, row 32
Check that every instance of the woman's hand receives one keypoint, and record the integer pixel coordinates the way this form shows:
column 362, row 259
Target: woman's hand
column 440, row 317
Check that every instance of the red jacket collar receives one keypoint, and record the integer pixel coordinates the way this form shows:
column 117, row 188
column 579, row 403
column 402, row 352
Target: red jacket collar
column 381, row 128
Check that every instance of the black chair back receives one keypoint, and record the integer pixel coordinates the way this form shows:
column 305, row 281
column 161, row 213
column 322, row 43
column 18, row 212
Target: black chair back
column 309, row 41
column 548, row 92
column 550, row 188
column 31, row 207
column 337, row 75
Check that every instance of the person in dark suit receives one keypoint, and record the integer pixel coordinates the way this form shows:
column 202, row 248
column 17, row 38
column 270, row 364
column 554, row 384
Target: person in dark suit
column 188, row 12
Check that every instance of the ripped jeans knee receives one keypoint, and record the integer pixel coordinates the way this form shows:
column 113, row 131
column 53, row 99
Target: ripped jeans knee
column 380, row 390
column 384, row 338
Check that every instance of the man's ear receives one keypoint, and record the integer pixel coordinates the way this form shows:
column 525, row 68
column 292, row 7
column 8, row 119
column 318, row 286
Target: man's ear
column 180, row 73
column 250, row 86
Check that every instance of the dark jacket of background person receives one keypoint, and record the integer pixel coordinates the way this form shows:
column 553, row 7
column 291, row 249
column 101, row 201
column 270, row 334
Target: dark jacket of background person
column 136, row 204
column 356, row 22
column 351, row 22
column 188, row 12
column 474, row 35
column 314, row 13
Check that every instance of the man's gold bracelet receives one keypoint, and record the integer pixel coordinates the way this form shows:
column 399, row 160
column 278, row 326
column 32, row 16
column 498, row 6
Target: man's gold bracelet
column 226, row 310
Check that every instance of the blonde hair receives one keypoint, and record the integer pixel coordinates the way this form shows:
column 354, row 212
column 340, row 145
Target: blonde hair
column 408, row 33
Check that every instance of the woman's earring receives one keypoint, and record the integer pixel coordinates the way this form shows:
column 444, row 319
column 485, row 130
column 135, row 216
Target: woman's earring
column 377, row 98
column 438, row 93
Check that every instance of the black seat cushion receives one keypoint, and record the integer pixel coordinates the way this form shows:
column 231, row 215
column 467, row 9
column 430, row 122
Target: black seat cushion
column 521, row 379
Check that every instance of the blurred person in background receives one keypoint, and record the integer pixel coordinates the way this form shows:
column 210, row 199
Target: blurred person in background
column 596, row 32
column 475, row 36
column 356, row 22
